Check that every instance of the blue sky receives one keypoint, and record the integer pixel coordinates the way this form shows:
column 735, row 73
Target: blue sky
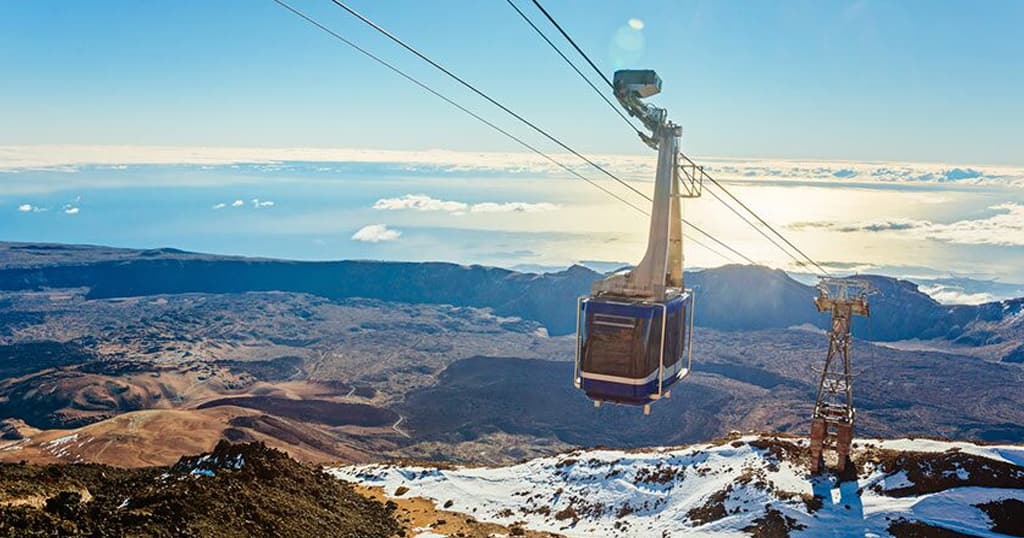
column 869, row 80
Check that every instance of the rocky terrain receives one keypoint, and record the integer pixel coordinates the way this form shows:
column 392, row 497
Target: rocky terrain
column 234, row 490
column 456, row 372
column 744, row 381
column 754, row 485
column 141, row 381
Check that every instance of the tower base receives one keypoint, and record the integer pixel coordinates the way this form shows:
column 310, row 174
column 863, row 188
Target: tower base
column 843, row 439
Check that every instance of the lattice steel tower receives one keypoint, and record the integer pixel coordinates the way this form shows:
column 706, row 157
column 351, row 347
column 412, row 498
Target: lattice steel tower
column 833, row 419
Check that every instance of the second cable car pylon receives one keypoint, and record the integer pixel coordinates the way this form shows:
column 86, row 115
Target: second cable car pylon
column 633, row 332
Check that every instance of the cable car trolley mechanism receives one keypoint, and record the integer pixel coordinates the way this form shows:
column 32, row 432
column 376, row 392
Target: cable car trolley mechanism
column 634, row 330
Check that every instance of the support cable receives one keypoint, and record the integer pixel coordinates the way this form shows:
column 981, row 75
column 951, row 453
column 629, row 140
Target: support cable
column 479, row 118
column 573, row 43
column 558, row 51
column 765, row 223
column 755, row 227
column 383, row 31
column 451, row 102
column 586, row 57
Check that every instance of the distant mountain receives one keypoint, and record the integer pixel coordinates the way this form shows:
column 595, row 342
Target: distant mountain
column 732, row 297
column 549, row 299
column 599, row 266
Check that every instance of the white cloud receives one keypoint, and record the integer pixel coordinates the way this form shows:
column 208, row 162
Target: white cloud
column 1004, row 228
column 881, row 225
column 864, row 172
column 29, row 208
column 256, row 203
column 630, row 167
column 422, row 202
column 511, row 207
column 376, row 233
column 636, row 24
column 956, row 295
column 70, row 210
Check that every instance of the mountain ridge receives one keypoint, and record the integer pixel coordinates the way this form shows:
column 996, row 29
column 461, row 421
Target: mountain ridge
column 731, row 297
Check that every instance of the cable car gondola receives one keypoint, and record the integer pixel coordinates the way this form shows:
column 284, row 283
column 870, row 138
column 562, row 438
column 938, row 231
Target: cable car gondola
column 634, row 331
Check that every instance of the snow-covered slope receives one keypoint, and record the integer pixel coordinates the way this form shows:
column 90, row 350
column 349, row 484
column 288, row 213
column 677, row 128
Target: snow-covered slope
column 751, row 485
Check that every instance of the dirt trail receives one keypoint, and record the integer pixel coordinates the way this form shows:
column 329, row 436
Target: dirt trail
column 398, row 431
column 418, row 515
column 38, row 501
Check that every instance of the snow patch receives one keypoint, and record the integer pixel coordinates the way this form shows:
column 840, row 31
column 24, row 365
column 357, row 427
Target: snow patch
column 1004, row 453
column 716, row 489
column 60, row 447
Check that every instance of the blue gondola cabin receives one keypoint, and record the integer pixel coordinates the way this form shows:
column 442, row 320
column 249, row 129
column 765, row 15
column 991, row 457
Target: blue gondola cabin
column 632, row 352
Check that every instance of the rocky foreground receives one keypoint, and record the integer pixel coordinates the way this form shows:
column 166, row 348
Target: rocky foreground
column 740, row 486
column 235, row 490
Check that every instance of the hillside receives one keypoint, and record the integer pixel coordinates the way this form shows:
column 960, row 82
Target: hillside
column 549, row 299
column 141, row 380
column 740, row 486
column 235, row 490
column 730, row 297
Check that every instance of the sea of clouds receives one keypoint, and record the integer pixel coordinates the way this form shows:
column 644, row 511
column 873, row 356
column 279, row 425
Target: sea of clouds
column 632, row 167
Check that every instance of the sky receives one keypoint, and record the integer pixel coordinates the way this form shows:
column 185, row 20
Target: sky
column 865, row 80
column 878, row 136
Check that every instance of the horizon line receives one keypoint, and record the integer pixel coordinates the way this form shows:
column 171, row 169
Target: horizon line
column 43, row 156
